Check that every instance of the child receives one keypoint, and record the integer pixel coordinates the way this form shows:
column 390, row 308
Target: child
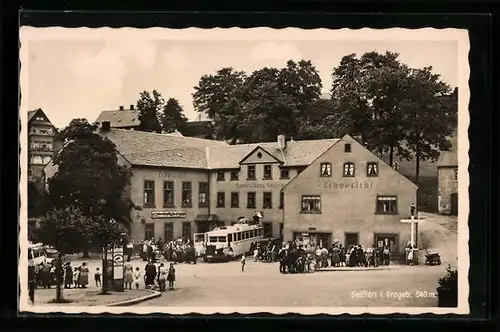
column 137, row 277
column 243, row 261
column 97, row 278
column 76, row 276
column 162, row 277
column 171, row 277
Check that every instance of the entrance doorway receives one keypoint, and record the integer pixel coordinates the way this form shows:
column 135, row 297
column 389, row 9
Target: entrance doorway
column 454, row 204
column 391, row 240
column 351, row 239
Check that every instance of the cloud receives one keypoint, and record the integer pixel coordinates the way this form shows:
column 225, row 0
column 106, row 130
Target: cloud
column 275, row 51
column 175, row 59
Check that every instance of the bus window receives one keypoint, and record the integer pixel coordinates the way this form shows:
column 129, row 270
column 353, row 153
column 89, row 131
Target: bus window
column 252, row 233
column 261, row 231
column 239, row 236
column 213, row 239
column 230, row 237
column 247, row 234
column 222, row 239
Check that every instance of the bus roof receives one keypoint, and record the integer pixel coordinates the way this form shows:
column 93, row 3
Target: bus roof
column 221, row 231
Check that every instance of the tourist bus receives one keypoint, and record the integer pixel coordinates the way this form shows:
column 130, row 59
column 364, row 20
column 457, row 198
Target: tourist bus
column 226, row 242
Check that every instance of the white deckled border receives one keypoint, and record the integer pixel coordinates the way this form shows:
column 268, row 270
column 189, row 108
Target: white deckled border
column 261, row 34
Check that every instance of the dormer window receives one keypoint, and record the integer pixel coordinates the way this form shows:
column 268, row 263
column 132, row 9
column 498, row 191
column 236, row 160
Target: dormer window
column 372, row 169
column 221, row 176
column 347, row 147
column 268, row 173
column 326, row 170
column 348, row 169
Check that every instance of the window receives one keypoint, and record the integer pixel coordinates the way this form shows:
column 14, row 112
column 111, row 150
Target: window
column 311, row 204
column 387, row 204
column 268, row 229
column 221, row 239
column 168, row 231
column 282, row 200
column 268, row 172
column 213, row 239
column 221, row 199
column 267, row 202
column 284, row 173
column 372, row 169
column 37, row 159
column 351, row 239
column 149, row 193
column 168, row 194
column 347, row 147
column 235, row 200
column 348, row 169
column 221, row 176
column 251, row 200
column 251, row 172
column 230, row 238
column 203, row 194
column 326, row 170
column 186, row 230
column 455, row 174
column 282, row 226
column 300, row 169
column 234, row 175
column 186, row 194
column 149, row 231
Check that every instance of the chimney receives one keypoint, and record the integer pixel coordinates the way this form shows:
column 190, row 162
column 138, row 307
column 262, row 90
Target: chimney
column 281, row 142
column 121, row 108
column 132, row 107
column 106, row 125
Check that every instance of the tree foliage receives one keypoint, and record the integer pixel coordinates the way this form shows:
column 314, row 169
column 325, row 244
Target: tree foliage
column 90, row 179
column 150, row 106
column 173, row 116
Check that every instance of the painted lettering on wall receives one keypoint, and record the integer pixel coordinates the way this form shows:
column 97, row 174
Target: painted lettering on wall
column 354, row 185
column 169, row 175
column 258, row 185
column 168, row 214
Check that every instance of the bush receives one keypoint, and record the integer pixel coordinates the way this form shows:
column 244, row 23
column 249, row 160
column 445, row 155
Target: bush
column 448, row 289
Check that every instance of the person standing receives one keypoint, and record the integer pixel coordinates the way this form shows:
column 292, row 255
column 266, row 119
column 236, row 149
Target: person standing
column 171, row 277
column 162, row 277
column 68, row 275
column 83, row 278
column 243, row 261
column 31, row 281
column 150, row 274
column 97, row 278
column 128, row 277
column 137, row 277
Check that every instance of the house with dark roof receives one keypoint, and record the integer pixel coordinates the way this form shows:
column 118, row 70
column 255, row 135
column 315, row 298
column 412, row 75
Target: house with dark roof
column 129, row 119
column 41, row 133
column 186, row 185
column 447, row 169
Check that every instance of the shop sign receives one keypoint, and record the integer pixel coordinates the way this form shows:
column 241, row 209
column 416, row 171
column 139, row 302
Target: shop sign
column 168, row 214
column 169, row 175
column 350, row 185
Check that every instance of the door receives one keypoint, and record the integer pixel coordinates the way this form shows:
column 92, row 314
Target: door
column 351, row 239
column 268, row 229
column 454, row 204
column 323, row 239
column 391, row 240
column 168, row 233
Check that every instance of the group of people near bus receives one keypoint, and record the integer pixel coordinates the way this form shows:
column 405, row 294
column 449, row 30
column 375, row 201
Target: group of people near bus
column 296, row 258
column 266, row 251
column 72, row 277
column 180, row 250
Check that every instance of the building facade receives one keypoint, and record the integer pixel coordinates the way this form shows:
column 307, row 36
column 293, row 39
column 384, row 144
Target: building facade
column 41, row 135
column 447, row 170
column 351, row 195
column 183, row 185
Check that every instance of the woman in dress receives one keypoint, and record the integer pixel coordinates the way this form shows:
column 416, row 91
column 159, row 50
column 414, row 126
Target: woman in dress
column 83, row 279
column 128, row 271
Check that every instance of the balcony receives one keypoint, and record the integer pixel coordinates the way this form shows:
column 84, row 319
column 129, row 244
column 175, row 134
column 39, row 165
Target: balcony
column 41, row 132
column 42, row 148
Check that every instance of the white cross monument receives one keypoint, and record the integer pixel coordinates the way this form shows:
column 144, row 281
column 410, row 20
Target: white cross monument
column 412, row 221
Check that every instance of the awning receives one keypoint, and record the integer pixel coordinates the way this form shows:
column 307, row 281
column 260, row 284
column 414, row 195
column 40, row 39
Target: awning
column 206, row 217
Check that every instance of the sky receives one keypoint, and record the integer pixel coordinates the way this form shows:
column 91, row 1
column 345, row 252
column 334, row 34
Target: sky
column 80, row 77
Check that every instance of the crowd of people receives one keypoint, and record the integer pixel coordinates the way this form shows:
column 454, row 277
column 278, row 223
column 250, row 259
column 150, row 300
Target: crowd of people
column 72, row 277
column 179, row 251
column 295, row 258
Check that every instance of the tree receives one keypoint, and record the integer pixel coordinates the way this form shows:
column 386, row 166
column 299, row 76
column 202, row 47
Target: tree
column 149, row 107
column 431, row 116
column 219, row 96
column 38, row 203
column 173, row 116
column 89, row 176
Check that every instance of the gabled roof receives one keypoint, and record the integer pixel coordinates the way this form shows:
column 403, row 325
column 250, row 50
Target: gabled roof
column 120, row 118
column 449, row 158
column 258, row 147
column 31, row 114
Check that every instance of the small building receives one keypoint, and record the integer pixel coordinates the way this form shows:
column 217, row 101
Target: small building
column 349, row 194
column 41, row 133
column 447, row 169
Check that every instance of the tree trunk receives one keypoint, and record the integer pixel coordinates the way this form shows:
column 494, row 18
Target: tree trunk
column 59, row 276
column 105, row 272
column 391, row 154
column 417, row 164
column 86, row 253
